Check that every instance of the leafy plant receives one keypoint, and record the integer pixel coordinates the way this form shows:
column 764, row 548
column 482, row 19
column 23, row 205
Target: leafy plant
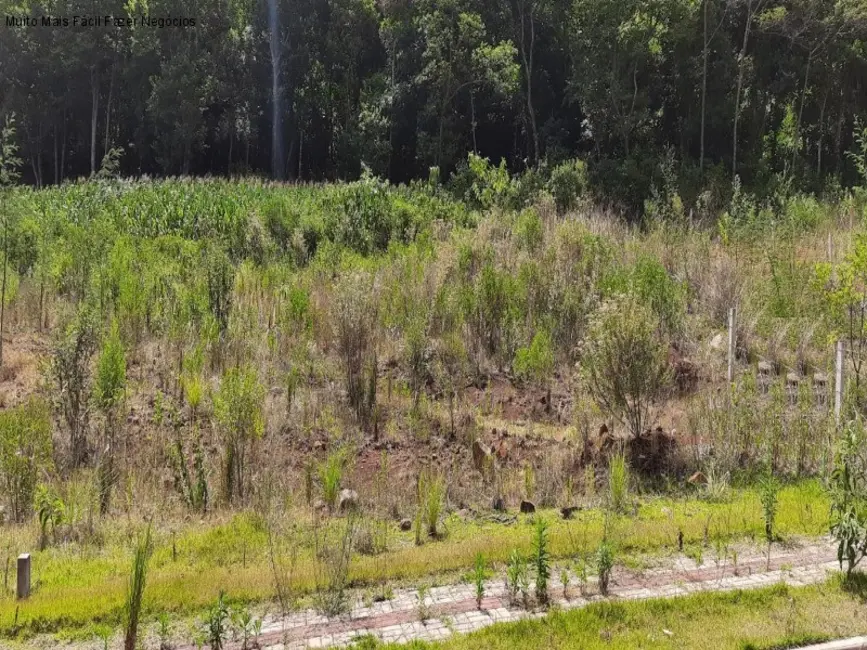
column 480, row 572
column 769, row 495
column 25, row 450
column 216, row 624
column 625, row 360
column 239, row 410
column 50, row 511
column 604, row 565
column 848, row 492
column 517, row 576
column 541, row 560
column 567, row 184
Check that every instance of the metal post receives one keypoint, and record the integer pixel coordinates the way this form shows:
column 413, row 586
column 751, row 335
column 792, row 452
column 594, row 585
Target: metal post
column 838, row 383
column 23, row 576
column 731, row 370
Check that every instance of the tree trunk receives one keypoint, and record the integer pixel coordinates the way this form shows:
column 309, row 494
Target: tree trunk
column 94, row 111
column 3, row 289
column 703, row 92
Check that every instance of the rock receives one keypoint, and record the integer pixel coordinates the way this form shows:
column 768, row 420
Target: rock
column 498, row 505
column 528, row 507
column 406, row 524
column 481, row 456
column 319, row 506
column 697, row 479
column 348, row 500
column 568, row 511
column 717, row 342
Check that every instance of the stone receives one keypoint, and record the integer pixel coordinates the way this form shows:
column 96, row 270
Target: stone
column 568, row 511
column 697, row 479
column 481, row 456
column 717, row 342
column 406, row 524
column 528, row 507
column 498, row 505
column 348, row 500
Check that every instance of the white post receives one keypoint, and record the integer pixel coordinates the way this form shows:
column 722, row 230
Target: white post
column 23, row 590
column 838, row 383
column 731, row 370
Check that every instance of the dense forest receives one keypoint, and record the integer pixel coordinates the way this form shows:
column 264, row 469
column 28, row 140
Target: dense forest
column 320, row 89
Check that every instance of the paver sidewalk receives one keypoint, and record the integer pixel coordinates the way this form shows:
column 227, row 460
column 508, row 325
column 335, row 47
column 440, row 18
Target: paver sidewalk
column 452, row 609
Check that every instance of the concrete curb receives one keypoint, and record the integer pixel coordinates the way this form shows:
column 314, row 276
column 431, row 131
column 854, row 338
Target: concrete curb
column 855, row 643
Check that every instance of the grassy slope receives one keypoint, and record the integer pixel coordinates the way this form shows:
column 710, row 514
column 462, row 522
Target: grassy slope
column 78, row 586
column 776, row 617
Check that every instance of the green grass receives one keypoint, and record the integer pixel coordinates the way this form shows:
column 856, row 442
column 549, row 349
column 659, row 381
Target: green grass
column 79, row 585
column 775, row 617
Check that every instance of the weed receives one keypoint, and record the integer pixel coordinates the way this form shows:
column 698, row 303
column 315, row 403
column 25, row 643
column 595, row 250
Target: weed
column 541, row 560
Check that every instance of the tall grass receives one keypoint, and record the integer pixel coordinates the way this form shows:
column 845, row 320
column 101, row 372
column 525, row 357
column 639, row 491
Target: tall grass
column 618, row 482
column 136, row 589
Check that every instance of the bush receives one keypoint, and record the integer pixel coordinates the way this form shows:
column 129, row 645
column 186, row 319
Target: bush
column 70, row 371
column 25, row 451
column 567, row 184
column 541, row 560
column 238, row 407
column 848, row 491
column 625, row 360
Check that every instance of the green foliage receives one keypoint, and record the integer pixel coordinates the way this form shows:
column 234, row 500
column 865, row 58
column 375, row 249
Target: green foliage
column 541, row 560
column 480, row 572
column 769, row 495
column 848, row 491
column 568, row 184
column 110, row 381
column 69, row 369
column 431, row 500
column 517, row 577
column 9, row 160
column 618, row 482
column 50, row 512
column 135, row 589
column 239, row 410
column 604, row 565
column 331, row 475
column 536, row 362
column 216, row 628
column 625, row 360
column 25, row 451
column 190, row 478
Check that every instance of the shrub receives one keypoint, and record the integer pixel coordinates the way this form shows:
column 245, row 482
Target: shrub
column 536, row 362
column 354, row 314
column 25, row 451
column 625, row 360
column 567, row 184
column 848, row 492
column 431, row 496
column 50, row 511
column 108, row 392
column 238, row 407
column 70, row 371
